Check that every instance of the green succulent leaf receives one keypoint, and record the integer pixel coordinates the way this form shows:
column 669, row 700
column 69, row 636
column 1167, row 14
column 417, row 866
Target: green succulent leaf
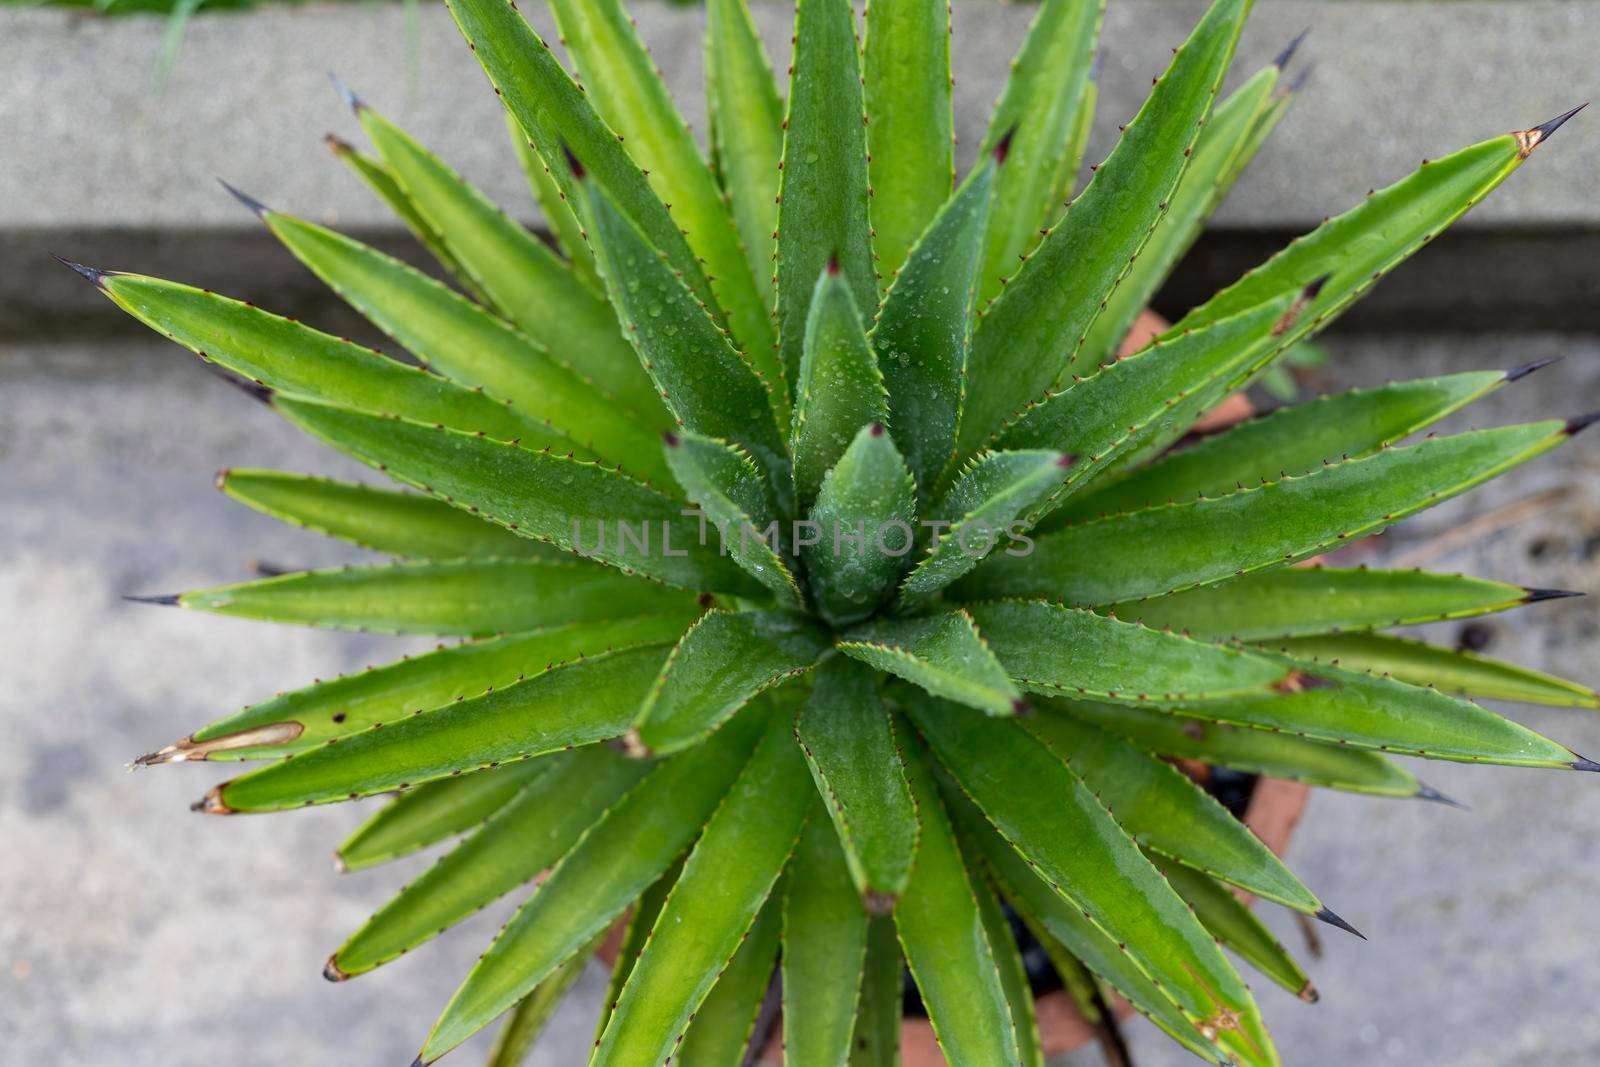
column 719, row 666
column 1304, row 601
column 720, row 1030
column 824, row 949
column 469, row 598
column 535, row 829
column 839, row 389
column 1033, row 334
column 624, row 852
column 1008, row 960
column 1182, row 546
column 849, row 742
column 724, row 884
column 1048, row 103
column 876, row 1040
column 384, row 520
column 910, row 134
column 946, row 944
column 923, row 333
column 578, row 704
column 524, row 1024
column 824, row 188
column 944, row 654
column 865, row 522
column 636, row 931
column 1449, row 670
column 1236, row 926
column 746, row 116
column 431, row 813
column 563, row 224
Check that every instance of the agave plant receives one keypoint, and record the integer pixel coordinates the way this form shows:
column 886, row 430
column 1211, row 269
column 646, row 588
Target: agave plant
column 824, row 579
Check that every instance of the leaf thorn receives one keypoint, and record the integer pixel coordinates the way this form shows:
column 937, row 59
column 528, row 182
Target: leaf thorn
column 1518, row 373
column 352, row 101
column 1427, row 792
column 1326, row 915
column 94, row 274
column 246, row 199
column 1288, row 53
column 170, row 599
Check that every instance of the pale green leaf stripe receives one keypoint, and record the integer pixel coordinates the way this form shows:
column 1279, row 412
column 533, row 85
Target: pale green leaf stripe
column 1303, row 601
column 910, row 134
column 1008, row 961
column 467, row 344
column 850, row 745
column 1237, row 927
column 824, row 185
column 430, row 813
column 577, row 704
column 1181, row 546
column 468, row 598
column 559, row 217
column 876, row 1040
column 1290, row 440
column 1448, row 670
column 1070, row 839
column 724, row 883
column 942, row 933
column 924, row 331
column 621, row 83
column 824, row 950
column 527, row 1020
column 555, row 113
column 384, row 520
column 1033, row 334
column 615, row 861
column 1167, row 813
column 531, row 832
column 944, row 654
column 641, row 920
column 1052, row 649
column 582, row 507
column 864, row 522
column 721, row 664
column 746, row 115
column 287, row 357
column 1047, row 101
column 380, row 180
column 720, row 1030
column 1278, row 755
column 523, row 278
column 295, row 721
column 839, row 389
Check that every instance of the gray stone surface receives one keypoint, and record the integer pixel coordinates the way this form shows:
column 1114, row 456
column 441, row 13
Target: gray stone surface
column 133, row 932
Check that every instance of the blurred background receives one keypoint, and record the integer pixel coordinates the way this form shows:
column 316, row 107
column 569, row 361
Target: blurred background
column 133, row 932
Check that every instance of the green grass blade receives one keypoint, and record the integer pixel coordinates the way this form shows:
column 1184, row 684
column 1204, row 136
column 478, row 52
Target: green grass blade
column 621, row 83
column 824, row 950
column 430, row 813
column 527, row 1021
column 987, row 507
column 850, row 745
column 523, row 278
column 839, row 389
column 641, row 920
column 558, row 214
column 944, row 654
column 865, row 522
column 876, row 1041
column 746, row 116
column 293, row 722
column 1032, row 336
column 470, row 346
column 611, row 866
column 824, row 187
column 719, row 1032
column 910, row 134
column 383, row 520
column 578, row 704
column 1047, row 102
column 284, row 356
column 719, row 666
column 942, row 933
column 732, row 492
column 533, row 831
column 1237, row 927
column 1168, row 814
column 1070, row 839
column 467, row 598
column 724, row 884
column 1448, row 670
column 582, row 507
column 1197, row 543
column 1277, row 755
column 923, row 333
